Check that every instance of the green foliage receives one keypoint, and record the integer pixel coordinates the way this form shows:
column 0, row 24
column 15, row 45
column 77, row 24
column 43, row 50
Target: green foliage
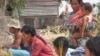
column 67, row 0
column 98, row 5
column 1, row 3
column 16, row 5
column 98, row 25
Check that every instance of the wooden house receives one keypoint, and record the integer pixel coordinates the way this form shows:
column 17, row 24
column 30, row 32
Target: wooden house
column 40, row 13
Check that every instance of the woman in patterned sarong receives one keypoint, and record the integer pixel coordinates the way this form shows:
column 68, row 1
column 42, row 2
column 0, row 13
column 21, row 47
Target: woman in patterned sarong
column 81, row 24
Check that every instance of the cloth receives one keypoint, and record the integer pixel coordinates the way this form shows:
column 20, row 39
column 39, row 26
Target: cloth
column 66, row 18
column 18, row 52
column 69, row 26
column 80, row 51
column 91, row 26
column 40, row 48
column 69, row 51
column 28, row 48
column 75, row 17
column 72, row 19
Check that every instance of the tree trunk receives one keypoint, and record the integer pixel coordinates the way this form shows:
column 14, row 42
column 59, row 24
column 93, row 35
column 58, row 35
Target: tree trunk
column 4, row 39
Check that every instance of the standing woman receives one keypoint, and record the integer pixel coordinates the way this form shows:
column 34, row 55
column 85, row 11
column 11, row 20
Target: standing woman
column 73, row 16
column 36, row 45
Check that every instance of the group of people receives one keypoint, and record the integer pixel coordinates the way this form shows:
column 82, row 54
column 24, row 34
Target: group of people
column 90, row 49
column 81, row 21
column 28, row 43
column 80, row 24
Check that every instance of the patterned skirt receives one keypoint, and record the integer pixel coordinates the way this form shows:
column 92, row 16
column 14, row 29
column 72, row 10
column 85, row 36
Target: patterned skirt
column 91, row 26
column 69, row 26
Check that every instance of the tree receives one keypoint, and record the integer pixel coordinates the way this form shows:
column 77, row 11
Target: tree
column 16, row 6
column 98, row 5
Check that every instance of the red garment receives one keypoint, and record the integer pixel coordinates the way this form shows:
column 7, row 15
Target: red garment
column 75, row 17
column 40, row 48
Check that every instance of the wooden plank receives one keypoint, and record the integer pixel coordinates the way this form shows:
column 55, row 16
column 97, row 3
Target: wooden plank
column 39, row 10
column 41, row 7
column 41, row 3
column 42, row 0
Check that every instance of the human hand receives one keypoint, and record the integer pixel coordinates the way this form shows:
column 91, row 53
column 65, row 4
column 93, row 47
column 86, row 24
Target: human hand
column 6, row 46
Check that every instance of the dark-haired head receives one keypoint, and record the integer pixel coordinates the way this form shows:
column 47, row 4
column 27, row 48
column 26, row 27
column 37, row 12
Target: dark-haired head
column 93, row 45
column 28, row 30
column 79, row 1
column 87, row 6
column 63, row 40
column 76, row 4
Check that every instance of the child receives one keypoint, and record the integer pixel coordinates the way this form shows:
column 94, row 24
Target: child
column 87, row 18
column 61, row 46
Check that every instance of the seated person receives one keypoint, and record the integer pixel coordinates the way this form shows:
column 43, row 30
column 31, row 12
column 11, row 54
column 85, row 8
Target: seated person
column 92, row 47
column 15, row 51
column 80, row 30
column 17, row 38
column 34, row 43
column 62, row 48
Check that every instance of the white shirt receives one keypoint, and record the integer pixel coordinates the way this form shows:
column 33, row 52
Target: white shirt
column 79, row 51
column 69, row 51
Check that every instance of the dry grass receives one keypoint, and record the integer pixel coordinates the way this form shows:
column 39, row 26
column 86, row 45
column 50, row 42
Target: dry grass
column 50, row 34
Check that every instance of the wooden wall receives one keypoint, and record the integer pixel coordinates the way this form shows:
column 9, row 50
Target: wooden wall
column 40, row 13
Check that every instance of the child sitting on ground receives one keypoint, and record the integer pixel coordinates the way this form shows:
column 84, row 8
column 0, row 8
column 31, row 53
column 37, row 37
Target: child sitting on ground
column 82, row 23
column 62, row 48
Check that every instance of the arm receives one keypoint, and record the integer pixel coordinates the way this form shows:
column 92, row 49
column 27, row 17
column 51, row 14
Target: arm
column 17, row 41
column 85, row 20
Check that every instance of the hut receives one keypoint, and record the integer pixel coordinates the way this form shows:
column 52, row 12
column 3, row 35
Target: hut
column 40, row 13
